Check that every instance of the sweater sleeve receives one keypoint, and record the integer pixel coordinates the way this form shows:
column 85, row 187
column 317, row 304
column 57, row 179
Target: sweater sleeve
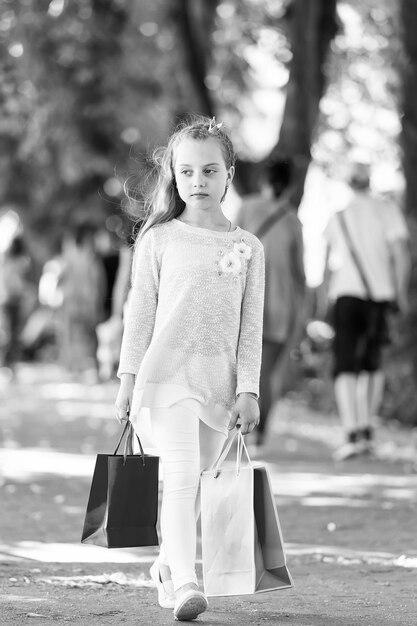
column 249, row 350
column 141, row 308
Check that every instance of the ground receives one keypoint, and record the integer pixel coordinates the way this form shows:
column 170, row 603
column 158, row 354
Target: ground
column 349, row 528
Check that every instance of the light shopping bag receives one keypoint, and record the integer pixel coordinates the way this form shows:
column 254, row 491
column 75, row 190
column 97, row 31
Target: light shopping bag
column 242, row 544
column 122, row 507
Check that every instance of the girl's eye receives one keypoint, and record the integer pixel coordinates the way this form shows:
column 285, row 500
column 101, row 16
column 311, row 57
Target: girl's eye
column 209, row 171
column 186, row 172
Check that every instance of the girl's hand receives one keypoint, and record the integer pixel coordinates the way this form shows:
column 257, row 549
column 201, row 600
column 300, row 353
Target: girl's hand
column 245, row 413
column 124, row 397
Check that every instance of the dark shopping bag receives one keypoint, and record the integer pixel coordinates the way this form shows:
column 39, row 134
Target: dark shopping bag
column 242, row 545
column 122, row 508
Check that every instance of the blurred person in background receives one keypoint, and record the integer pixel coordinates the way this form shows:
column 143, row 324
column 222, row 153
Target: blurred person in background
column 273, row 219
column 82, row 284
column 106, row 244
column 367, row 267
column 110, row 331
column 17, row 298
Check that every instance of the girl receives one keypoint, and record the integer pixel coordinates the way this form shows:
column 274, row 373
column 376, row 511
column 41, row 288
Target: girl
column 191, row 348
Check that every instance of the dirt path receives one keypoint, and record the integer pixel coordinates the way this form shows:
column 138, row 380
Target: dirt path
column 349, row 528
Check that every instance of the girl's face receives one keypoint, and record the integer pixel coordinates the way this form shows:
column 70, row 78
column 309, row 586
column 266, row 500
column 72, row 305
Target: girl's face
column 200, row 173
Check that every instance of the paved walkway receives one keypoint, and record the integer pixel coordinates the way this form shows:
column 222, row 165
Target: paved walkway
column 349, row 527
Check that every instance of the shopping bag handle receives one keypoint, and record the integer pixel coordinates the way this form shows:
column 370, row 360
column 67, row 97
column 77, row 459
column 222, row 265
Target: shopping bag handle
column 128, row 449
column 241, row 445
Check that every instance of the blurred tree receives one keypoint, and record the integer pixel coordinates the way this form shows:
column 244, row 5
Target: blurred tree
column 409, row 102
column 292, row 39
column 404, row 378
column 359, row 116
column 84, row 79
column 312, row 26
column 79, row 87
column 65, row 63
column 194, row 21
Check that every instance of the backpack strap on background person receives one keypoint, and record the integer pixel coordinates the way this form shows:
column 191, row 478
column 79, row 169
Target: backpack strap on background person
column 280, row 210
column 353, row 253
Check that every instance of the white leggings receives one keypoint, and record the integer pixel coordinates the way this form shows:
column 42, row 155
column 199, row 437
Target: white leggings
column 186, row 446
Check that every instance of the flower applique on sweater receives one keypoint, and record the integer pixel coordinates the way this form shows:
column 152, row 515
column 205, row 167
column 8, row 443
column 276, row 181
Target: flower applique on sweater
column 234, row 261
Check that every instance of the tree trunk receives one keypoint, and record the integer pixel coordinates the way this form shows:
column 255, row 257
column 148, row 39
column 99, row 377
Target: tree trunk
column 409, row 119
column 194, row 21
column 312, row 27
column 405, row 403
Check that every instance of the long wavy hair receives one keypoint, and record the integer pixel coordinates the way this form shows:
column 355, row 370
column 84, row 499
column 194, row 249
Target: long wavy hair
column 160, row 199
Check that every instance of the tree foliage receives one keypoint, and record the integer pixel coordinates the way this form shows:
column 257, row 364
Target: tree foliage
column 88, row 83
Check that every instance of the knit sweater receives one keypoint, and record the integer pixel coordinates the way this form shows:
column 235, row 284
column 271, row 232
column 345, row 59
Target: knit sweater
column 194, row 317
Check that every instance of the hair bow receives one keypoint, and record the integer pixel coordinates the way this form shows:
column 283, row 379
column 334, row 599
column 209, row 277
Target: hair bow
column 213, row 126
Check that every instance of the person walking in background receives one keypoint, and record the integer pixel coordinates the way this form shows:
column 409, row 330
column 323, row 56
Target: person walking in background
column 274, row 220
column 368, row 265
column 17, row 298
column 117, row 264
column 191, row 349
column 82, row 283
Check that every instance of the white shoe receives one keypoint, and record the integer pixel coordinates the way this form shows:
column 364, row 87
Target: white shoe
column 166, row 594
column 189, row 605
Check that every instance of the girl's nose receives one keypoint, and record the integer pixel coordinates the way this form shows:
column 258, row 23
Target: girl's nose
column 198, row 180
